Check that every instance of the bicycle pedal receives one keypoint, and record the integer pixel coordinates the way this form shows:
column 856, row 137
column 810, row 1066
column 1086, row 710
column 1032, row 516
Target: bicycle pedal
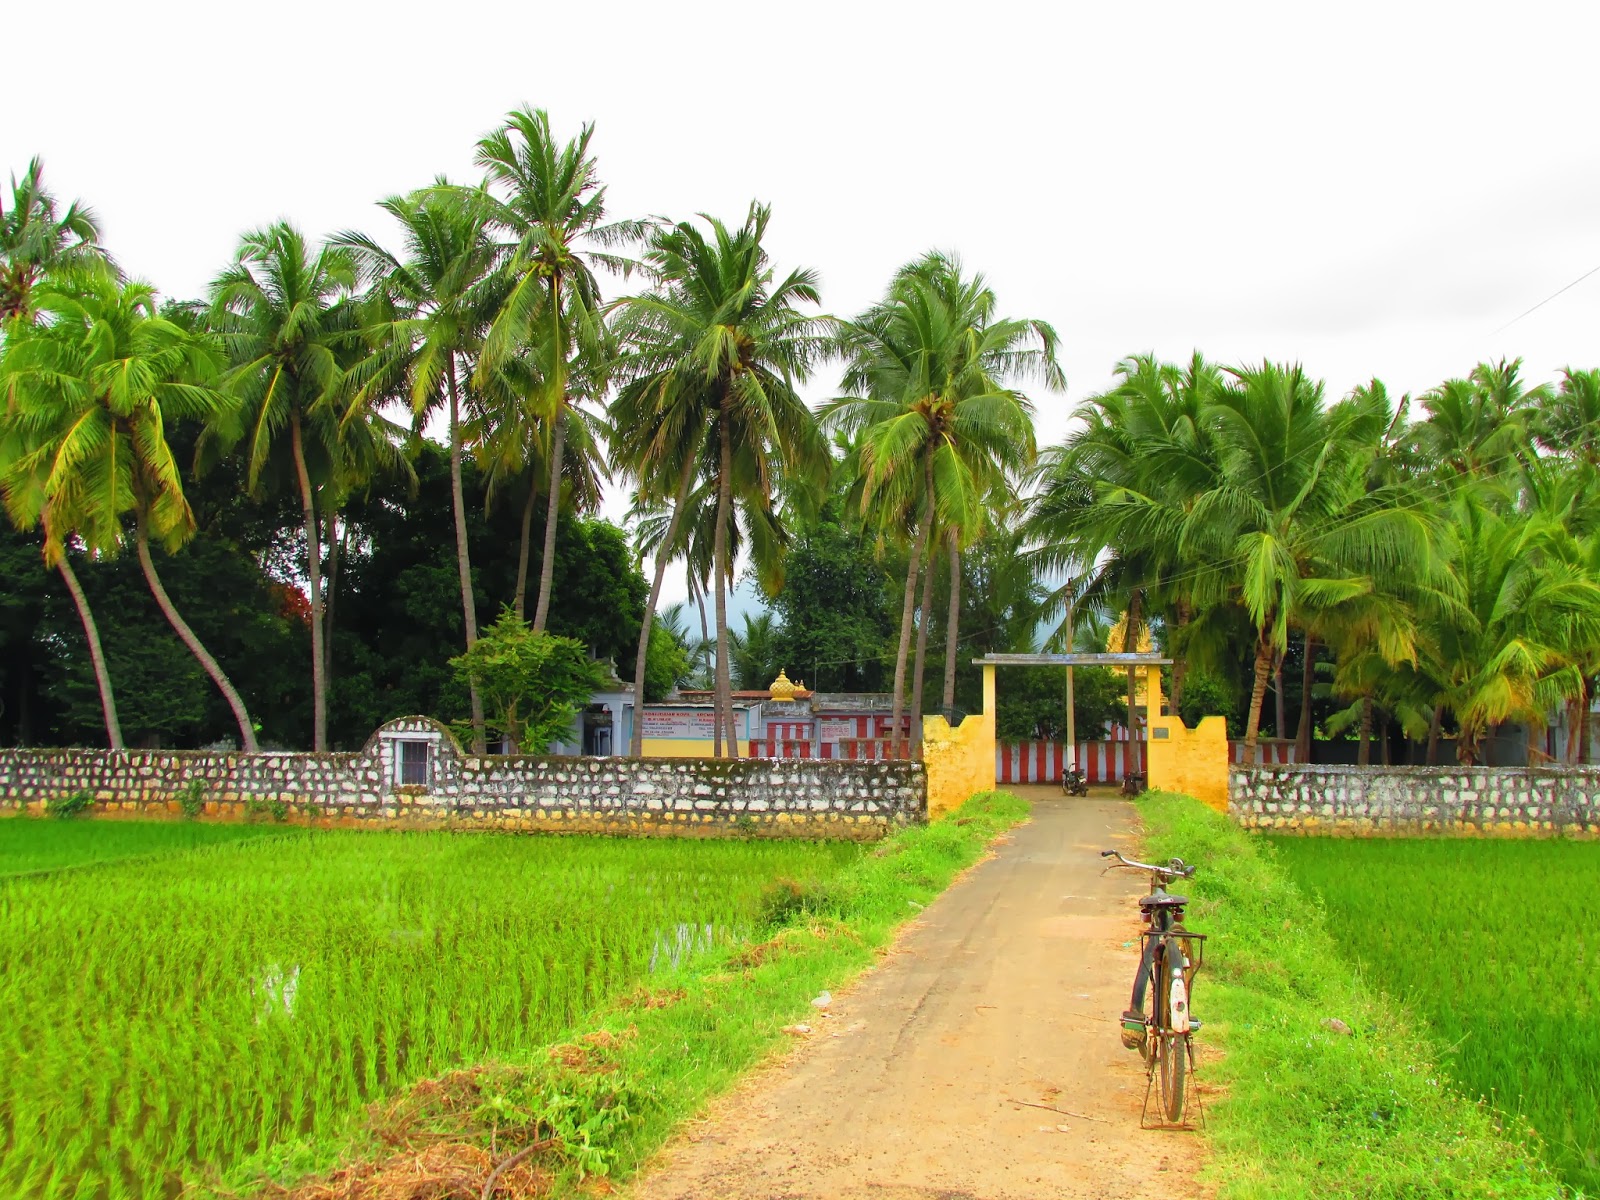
column 1134, row 1034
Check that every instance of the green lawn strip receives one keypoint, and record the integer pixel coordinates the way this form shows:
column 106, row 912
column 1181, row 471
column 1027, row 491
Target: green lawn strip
column 37, row 845
column 605, row 1101
column 1305, row 1110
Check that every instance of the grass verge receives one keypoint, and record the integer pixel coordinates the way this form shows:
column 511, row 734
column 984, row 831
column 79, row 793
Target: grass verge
column 600, row 1104
column 1309, row 1110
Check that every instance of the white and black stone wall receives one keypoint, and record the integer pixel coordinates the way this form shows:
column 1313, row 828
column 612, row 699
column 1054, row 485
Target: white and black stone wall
column 412, row 772
column 1395, row 801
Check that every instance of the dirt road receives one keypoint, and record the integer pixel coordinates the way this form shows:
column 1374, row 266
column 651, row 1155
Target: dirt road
column 921, row 1082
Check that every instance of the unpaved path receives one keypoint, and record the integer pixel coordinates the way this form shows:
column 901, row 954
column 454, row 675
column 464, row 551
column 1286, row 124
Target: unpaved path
column 912, row 1087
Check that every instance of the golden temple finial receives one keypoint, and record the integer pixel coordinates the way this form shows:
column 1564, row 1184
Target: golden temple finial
column 782, row 688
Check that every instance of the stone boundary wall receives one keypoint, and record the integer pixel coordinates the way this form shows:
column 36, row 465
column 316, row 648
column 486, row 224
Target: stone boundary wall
column 1428, row 801
column 639, row 796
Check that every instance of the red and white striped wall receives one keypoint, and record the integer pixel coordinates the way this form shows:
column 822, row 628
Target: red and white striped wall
column 845, row 748
column 1045, row 762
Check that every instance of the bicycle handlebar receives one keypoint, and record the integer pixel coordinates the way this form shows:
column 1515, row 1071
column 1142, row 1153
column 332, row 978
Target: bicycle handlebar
column 1175, row 868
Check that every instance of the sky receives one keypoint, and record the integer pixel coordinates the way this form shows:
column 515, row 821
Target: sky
column 1368, row 189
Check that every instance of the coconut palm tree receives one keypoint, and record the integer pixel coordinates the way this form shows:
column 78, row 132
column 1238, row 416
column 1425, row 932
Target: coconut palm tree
column 1478, row 427
column 1506, row 648
column 92, row 390
column 716, row 350
column 549, row 200
column 935, row 419
column 1290, row 528
column 1568, row 420
column 432, row 310
column 289, row 320
column 35, row 241
column 1111, row 494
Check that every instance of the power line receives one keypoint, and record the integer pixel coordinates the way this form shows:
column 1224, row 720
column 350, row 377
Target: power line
column 1546, row 300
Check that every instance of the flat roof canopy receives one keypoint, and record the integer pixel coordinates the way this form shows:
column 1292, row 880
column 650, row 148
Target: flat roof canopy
column 1071, row 660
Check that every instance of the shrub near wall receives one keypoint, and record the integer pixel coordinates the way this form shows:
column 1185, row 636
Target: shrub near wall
column 699, row 797
column 1391, row 801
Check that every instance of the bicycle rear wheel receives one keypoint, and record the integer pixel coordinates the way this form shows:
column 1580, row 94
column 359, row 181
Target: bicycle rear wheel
column 1172, row 1047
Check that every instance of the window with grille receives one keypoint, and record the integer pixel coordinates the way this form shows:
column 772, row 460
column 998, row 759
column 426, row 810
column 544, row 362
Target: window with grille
column 413, row 764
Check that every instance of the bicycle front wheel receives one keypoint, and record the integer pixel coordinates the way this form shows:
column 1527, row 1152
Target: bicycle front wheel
column 1172, row 1047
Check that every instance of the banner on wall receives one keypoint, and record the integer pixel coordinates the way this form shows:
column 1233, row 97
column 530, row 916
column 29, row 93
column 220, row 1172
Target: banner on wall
column 679, row 723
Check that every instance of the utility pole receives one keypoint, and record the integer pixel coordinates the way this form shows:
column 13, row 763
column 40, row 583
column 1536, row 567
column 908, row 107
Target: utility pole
column 1072, row 733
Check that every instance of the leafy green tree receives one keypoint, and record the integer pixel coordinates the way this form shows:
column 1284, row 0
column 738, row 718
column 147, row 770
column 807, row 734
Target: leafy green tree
column 35, row 241
column 837, row 607
column 934, row 422
column 666, row 663
column 716, row 351
column 91, row 391
column 535, row 684
column 289, row 321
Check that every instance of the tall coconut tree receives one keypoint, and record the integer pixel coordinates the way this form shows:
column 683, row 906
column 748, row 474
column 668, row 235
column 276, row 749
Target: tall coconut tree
column 35, row 240
column 93, row 389
column 1290, row 527
column 935, row 417
column 717, row 349
column 547, row 197
column 288, row 317
column 433, row 304
column 1110, row 496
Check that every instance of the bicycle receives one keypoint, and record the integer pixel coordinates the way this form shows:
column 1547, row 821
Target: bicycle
column 1171, row 956
column 1073, row 783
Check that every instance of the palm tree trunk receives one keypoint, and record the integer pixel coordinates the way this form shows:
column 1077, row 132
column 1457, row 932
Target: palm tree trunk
column 458, row 501
column 705, row 634
column 1130, row 645
column 1258, row 693
column 97, row 658
column 1308, row 671
column 952, row 624
column 719, row 555
column 1536, row 742
column 908, row 608
column 1584, row 723
column 1180, row 655
column 1281, row 718
column 520, row 602
column 330, row 597
column 663, row 557
column 247, row 732
column 918, row 675
column 1364, row 751
column 308, row 511
column 558, row 443
column 547, row 564
column 1435, row 728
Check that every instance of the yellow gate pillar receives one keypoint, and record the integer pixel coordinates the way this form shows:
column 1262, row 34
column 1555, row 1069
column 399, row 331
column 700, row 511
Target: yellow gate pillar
column 959, row 759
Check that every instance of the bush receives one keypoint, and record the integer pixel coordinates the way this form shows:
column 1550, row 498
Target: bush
column 67, row 807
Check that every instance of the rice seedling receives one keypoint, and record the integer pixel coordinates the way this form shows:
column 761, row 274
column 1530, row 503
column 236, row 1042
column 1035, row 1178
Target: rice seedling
column 169, row 1017
column 1492, row 943
column 28, row 844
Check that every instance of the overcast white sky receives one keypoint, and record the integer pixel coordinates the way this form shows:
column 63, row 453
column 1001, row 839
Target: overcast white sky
column 1370, row 189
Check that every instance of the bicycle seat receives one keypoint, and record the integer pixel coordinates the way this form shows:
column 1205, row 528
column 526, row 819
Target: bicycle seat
column 1162, row 900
